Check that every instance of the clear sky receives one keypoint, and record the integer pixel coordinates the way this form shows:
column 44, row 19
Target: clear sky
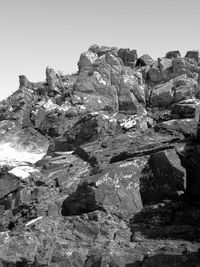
column 38, row 33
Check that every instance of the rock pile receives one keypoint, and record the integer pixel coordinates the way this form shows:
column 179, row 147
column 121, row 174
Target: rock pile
column 101, row 167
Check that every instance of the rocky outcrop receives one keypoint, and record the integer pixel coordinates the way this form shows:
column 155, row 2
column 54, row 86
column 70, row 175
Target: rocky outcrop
column 101, row 167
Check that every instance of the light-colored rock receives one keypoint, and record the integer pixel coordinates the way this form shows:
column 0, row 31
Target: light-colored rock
column 24, row 172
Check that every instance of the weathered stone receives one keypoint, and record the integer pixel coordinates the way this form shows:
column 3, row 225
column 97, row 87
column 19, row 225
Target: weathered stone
column 86, row 59
column 116, row 190
column 184, row 87
column 162, row 95
column 173, row 54
column 102, row 50
column 193, row 54
column 188, row 108
column 144, row 60
column 128, row 56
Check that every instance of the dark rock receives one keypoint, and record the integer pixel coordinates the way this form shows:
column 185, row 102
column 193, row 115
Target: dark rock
column 128, row 56
column 144, row 60
column 173, row 54
column 193, row 54
column 185, row 109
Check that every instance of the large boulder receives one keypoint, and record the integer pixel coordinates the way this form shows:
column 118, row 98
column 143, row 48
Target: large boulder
column 129, row 57
column 173, row 54
column 116, row 189
column 88, row 128
column 131, row 93
column 144, row 60
column 162, row 95
column 86, row 59
column 185, row 87
column 194, row 54
column 188, row 108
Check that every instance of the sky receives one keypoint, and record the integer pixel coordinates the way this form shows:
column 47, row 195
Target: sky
column 39, row 33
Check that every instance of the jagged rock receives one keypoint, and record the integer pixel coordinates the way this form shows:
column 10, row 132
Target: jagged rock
column 173, row 54
column 86, row 59
column 131, row 93
column 144, row 60
column 184, row 87
column 21, row 145
column 116, row 190
column 102, row 50
column 162, row 95
column 23, row 81
column 182, row 128
column 88, row 128
column 188, row 108
column 129, row 57
column 193, row 54
column 168, row 179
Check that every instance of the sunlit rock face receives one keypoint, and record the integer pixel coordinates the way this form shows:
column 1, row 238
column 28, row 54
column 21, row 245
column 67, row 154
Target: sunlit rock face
column 21, row 145
column 101, row 167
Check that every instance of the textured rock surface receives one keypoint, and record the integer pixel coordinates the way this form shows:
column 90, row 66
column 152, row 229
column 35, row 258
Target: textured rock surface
column 101, row 167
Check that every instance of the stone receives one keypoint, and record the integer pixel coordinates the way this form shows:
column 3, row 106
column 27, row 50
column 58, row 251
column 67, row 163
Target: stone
column 129, row 57
column 144, row 60
column 102, row 50
column 21, row 145
column 130, row 94
column 162, row 95
column 194, row 54
column 169, row 177
column 86, row 59
column 173, row 54
column 188, row 108
column 184, row 88
column 116, row 189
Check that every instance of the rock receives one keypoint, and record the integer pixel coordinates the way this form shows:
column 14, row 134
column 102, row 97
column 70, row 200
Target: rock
column 188, row 108
column 102, row 50
column 144, row 60
column 21, row 145
column 116, row 190
column 23, row 81
column 169, row 177
column 86, row 59
column 193, row 54
column 162, row 95
column 129, row 57
column 88, row 128
column 130, row 94
column 173, row 54
column 185, row 87
column 182, row 128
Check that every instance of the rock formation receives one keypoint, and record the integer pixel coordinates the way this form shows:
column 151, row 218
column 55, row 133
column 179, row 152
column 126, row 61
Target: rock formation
column 101, row 167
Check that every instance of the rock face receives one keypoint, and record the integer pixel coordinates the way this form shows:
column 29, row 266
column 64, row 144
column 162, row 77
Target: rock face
column 101, row 167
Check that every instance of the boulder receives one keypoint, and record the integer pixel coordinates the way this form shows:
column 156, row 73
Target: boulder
column 180, row 128
column 116, row 189
column 194, row 54
column 173, row 54
column 88, row 128
column 144, row 60
column 185, row 87
column 102, row 50
column 131, row 93
column 86, row 59
column 162, row 95
column 129, row 57
column 169, row 177
column 188, row 108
